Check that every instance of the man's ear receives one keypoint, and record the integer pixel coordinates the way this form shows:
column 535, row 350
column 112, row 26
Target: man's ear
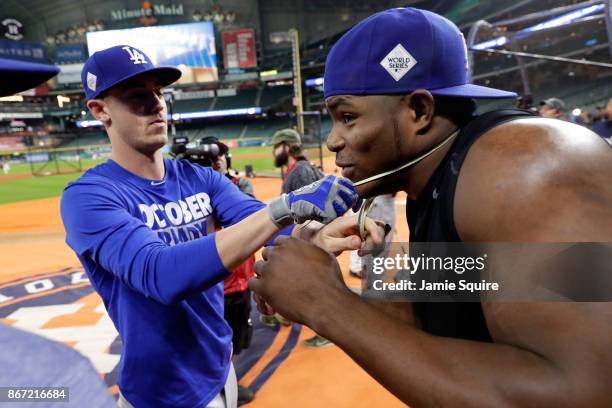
column 99, row 110
column 423, row 108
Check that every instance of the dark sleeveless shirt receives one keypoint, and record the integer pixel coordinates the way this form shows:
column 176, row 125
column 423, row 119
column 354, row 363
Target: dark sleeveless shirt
column 431, row 219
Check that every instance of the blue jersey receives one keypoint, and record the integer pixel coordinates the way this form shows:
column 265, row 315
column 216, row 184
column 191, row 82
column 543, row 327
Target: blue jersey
column 149, row 250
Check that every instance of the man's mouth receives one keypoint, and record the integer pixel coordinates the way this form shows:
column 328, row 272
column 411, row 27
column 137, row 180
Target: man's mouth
column 159, row 121
column 348, row 170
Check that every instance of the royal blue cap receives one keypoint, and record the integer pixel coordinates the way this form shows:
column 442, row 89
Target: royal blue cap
column 105, row 69
column 401, row 50
column 17, row 76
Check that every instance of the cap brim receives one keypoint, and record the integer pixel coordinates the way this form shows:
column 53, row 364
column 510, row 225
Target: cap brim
column 166, row 75
column 17, row 76
column 473, row 91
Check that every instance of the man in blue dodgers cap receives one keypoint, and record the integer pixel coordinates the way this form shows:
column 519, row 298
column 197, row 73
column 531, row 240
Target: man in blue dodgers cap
column 397, row 88
column 144, row 229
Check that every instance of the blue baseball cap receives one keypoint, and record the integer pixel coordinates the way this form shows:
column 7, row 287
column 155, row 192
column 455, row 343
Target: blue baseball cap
column 17, row 76
column 401, row 50
column 107, row 68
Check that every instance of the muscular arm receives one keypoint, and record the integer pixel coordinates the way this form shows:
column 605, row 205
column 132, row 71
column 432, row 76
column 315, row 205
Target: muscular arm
column 108, row 238
column 544, row 354
column 552, row 365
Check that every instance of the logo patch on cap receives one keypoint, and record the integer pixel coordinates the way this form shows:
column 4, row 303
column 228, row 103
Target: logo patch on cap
column 135, row 56
column 91, row 81
column 398, row 62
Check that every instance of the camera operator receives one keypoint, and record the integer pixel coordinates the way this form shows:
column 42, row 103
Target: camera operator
column 237, row 295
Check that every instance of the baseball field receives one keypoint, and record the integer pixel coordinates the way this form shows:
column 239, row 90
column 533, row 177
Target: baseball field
column 43, row 290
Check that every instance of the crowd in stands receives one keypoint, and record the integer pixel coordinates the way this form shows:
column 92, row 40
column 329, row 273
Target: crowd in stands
column 599, row 120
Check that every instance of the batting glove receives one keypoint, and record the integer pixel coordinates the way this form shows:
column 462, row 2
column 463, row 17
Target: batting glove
column 322, row 201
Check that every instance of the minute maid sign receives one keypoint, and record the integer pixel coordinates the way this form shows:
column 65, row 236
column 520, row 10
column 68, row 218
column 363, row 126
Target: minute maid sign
column 158, row 10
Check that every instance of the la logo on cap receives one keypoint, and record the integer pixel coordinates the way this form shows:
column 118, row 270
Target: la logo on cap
column 135, row 56
column 398, row 62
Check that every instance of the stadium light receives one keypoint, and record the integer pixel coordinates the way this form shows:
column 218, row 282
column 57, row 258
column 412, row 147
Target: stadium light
column 12, row 98
column 314, row 82
column 563, row 19
column 496, row 42
column 269, row 73
column 88, row 123
column 217, row 113
column 278, row 37
column 567, row 18
column 189, row 115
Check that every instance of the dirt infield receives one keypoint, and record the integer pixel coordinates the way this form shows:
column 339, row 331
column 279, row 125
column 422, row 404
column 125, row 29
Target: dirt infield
column 12, row 177
column 33, row 248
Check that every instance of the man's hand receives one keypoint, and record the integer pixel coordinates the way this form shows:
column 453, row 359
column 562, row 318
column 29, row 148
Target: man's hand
column 295, row 279
column 262, row 306
column 342, row 234
column 322, row 201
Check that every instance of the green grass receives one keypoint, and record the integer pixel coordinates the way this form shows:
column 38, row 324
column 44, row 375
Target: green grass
column 25, row 168
column 32, row 188
column 251, row 149
column 35, row 187
column 263, row 164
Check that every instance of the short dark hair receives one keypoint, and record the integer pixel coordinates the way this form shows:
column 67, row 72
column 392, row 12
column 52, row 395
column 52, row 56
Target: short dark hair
column 457, row 109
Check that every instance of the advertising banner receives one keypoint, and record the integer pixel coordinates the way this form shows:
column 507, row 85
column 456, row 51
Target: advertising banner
column 239, row 49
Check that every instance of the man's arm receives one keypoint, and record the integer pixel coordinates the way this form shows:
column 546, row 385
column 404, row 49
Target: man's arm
column 99, row 227
column 544, row 354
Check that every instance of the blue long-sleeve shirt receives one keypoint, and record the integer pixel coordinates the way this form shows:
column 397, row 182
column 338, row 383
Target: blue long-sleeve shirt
column 149, row 250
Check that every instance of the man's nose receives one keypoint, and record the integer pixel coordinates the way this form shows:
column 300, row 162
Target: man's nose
column 335, row 142
column 159, row 103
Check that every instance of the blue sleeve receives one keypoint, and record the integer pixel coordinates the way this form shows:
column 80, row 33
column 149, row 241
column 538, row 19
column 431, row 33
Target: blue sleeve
column 288, row 230
column 99, row 227
column 229, row 203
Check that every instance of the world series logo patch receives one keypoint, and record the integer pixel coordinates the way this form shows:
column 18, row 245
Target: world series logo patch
column 398, row 62
column 91, row 81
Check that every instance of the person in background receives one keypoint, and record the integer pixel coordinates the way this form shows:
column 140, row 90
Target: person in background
column 584, row 119
column 526, row 102
column 603, row 127
column 237, row 296
column 382, row 209
column 288, row 151
column 600, row 113
column 553, row 108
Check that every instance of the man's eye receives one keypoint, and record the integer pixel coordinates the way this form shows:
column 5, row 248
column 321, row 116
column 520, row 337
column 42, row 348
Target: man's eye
column 347, row 118
column 136, row 95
